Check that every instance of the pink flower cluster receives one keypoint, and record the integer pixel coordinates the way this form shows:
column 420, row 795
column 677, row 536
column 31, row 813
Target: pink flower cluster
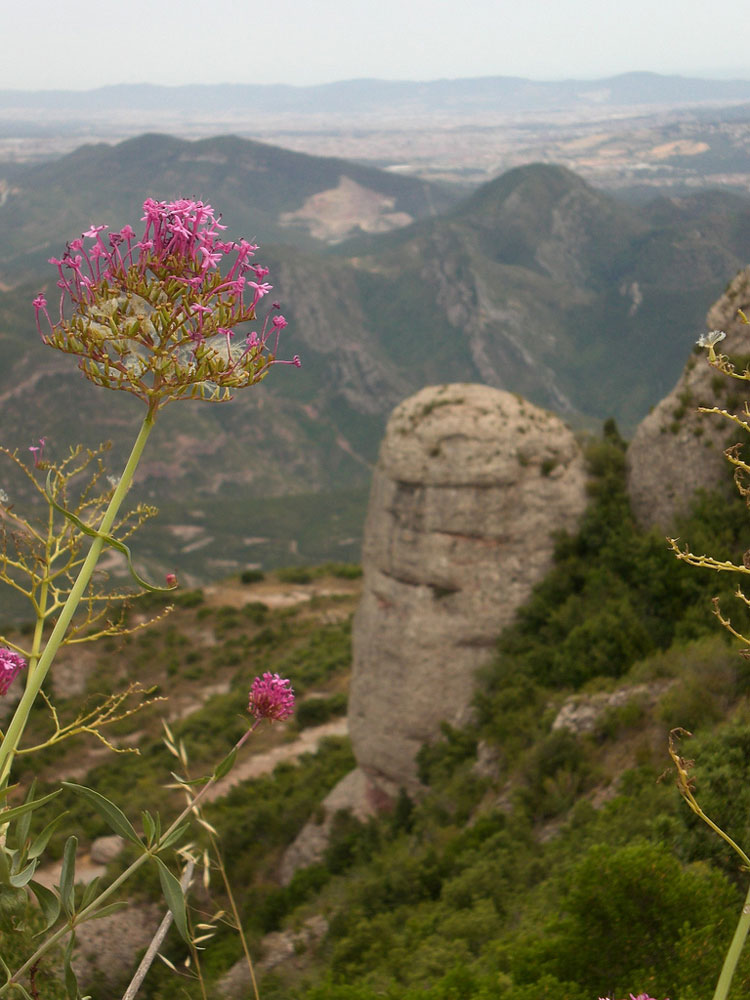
column 156, row 316
column 271, row 697
column 10, row 664
column 641, row 996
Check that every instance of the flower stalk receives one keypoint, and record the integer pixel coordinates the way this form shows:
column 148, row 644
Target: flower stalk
column 39, row 670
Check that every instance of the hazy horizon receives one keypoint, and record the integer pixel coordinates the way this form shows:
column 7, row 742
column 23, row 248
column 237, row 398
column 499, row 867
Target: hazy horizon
column 177, row 42
column 708, row 76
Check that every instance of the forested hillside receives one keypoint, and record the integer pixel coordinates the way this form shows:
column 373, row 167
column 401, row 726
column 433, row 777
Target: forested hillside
column 542, row 860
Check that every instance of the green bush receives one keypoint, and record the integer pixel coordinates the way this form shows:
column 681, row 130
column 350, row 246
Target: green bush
column 295, row 574
column 252, row 576
column 316, row 711
column 188, row 599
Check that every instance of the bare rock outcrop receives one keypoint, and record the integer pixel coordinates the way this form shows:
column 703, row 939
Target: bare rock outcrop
column 470, row 486
column 107, row 949
column 582, row 713
column 676, row 450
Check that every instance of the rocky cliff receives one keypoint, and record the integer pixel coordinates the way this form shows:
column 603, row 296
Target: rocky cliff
column 677, row 450
column 470, row 485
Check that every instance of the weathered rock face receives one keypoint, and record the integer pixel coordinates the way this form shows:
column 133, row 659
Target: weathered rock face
column 470, row 486
column 676, row 450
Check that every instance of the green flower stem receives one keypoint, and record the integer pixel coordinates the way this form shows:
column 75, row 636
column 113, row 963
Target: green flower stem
column 39, row 672
column 733, row 954
column 90, row 911
column 79, row 918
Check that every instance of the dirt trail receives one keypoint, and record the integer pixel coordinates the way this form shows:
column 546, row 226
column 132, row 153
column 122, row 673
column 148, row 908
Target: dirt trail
column 252, row 767
column 263, row 763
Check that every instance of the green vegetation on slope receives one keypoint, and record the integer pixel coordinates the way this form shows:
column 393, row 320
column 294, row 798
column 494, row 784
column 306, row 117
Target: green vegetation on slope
column 563, row 867
column 559, row 867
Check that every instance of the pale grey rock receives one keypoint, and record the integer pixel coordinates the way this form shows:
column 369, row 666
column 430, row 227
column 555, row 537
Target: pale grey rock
column 582, row 713
column 470, row 486
column 108, row 950
column 677, row 450
column 278, row 948
column 106, row 849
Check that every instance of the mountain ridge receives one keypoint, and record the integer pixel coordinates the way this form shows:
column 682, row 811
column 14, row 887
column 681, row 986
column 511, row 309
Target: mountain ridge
column 367, row 94
column 537, row 283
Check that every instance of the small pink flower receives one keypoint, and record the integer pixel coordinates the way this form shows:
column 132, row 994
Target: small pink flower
column 38, row 451
column 10, row 664
column 271, row 697
column 171, row 580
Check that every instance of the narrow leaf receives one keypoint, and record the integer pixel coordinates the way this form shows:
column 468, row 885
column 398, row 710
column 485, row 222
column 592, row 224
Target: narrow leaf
column 149, row 827
column 116, row 818
column 8, row 815
column 71, row 983
column 49, row 902
column 89, row 893
column 4, row 866
column 23, row 877
column 67, row 875
column 106, row 910
column 175, row 899
column 174, row 836
column 193, row 781
column 24, row 824
column 226, row 765
column 42, row 839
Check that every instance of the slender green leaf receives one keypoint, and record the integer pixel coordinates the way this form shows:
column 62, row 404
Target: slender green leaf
column 24, row 823
column 174, row 836
column 8, row 815
column 71, row 983
column 41, row 840
column 89, row 893
column 106, row 910
column 175, row 899
column 149, row 827
column 67, row 875
column 5, row 854
column 49, row 902
column 114, row 816
column 193, row 781
column 226, row 765
column 23, row 877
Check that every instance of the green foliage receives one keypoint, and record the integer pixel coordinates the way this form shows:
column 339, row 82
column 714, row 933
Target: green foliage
column 20, row 921
column 294, row 574
column 316, row 711
column 188, row 598
column 633, row 915
column 252, row 576
column 556, row 772
column 614, row 595
column 722, row 786
column 440, row 758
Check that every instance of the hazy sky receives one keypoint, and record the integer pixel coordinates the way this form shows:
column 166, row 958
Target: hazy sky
column 80, row 44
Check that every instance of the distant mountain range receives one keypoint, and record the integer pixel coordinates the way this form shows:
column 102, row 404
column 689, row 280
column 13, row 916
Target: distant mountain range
column 536, row 283
column 500, row 93
column 264, row 192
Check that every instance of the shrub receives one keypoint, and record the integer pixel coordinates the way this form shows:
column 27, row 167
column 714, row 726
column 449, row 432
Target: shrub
column 295, row 574
column 252, row 576
column 316, row 711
